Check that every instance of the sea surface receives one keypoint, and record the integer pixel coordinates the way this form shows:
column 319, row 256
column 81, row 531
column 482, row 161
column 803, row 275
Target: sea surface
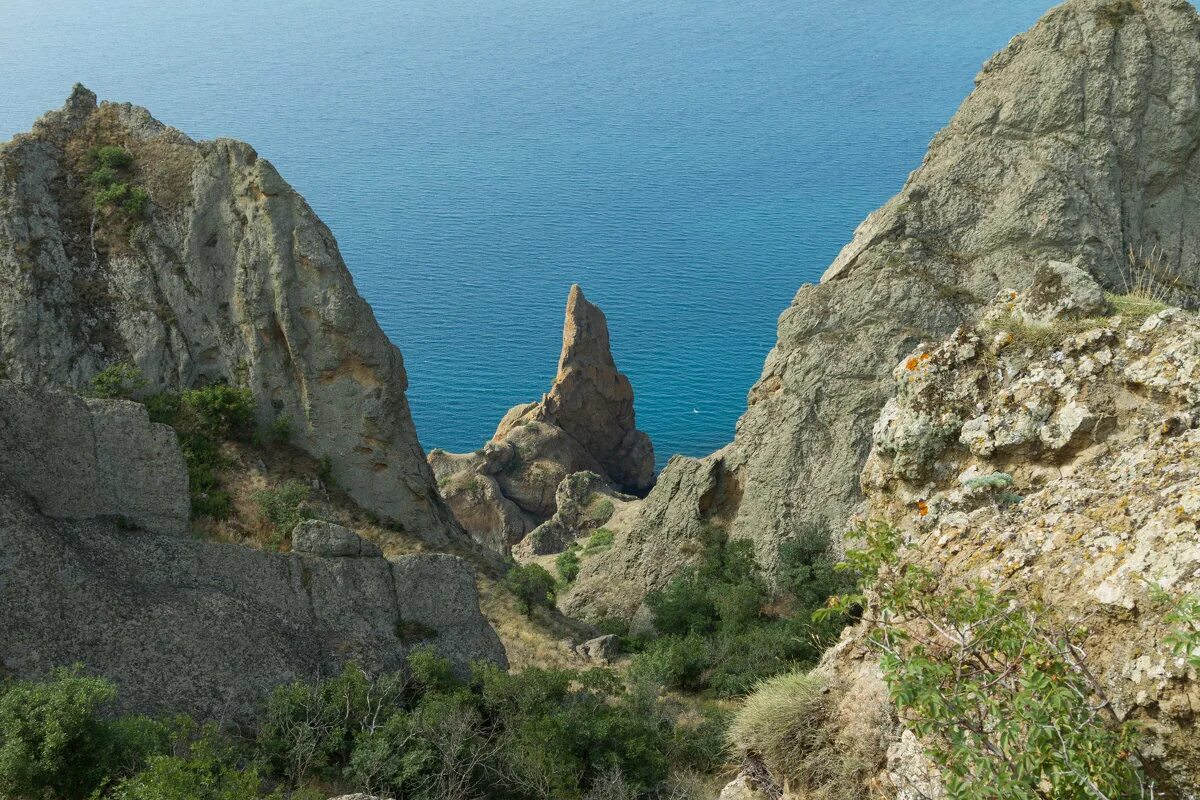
column 690, row 163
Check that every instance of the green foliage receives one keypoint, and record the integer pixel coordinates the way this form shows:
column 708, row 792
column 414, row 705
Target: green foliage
column 325, row 471
column 111, row 157
column 722, row 630
column 998, row 692
column 52, row 740
column 135, row 202
column 599, row 510
column 284, row 506
column 206, row 768
column 598, row 542
column 567, row 563
column 117, row 380
column 1183, row 613
column 220, row 410
column 280, row 430
column 532, row 585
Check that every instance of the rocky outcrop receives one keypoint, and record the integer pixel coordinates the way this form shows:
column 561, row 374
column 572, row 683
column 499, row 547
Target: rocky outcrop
column 1061, row 464
column 81, row 459
column 584, row 502
column 182, row 625
column 585, row 423
column 1079, row 144
column 226, row 275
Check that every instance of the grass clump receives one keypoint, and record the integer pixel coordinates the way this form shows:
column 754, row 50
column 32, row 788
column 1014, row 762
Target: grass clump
column 117, row 381
column 785, row 722
column 598, row 542
column 567, row 564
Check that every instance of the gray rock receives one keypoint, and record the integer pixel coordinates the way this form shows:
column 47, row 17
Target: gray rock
column 230, row 277
column 183, row 625
column 602, row 649
column 584, row 502
column 80, row 459
column 1061, row 291
column 1080, row 140
column 320, row 538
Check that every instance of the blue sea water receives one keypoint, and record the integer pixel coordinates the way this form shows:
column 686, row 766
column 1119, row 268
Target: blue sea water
column 691, row 163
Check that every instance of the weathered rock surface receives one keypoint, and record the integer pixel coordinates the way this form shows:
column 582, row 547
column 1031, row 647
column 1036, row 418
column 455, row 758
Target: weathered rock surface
column 602, row 649
column 584, row 424
column 230, row 277
column 584, row 502
column 183, row 625
column 319, row 538
column 1066, row 472
column 80, row 459
column 1079, row 144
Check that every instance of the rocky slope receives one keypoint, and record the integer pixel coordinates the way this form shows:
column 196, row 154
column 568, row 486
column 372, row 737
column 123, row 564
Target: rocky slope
column 97, row 568
column 1092, row 428
column 584, row 423
column 223, row 274
column 1079, row 143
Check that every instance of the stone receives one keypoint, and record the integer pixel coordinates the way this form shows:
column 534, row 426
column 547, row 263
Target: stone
column 1061, row 291
column 230, row 277
column 741, row 788
column 585, row 423
column 1059, row 154
column 320, row 538
column 584, row 502
column 80, row 459
column 602, row 649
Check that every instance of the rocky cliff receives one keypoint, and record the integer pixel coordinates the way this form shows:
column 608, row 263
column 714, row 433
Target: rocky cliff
column 1079, row 143
column 585, row 423
column 1059, row 462
column 124, row 241
column 94, row 571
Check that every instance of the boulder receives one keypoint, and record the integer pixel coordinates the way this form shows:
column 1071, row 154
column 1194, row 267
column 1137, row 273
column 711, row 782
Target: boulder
column 319, row 538
column 602, row 649
column 1061, row 291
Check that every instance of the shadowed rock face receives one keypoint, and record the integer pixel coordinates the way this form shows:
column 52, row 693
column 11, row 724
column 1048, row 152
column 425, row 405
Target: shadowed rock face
column 584, row 423
column 229, row 277
column 186, row 626
column 1079, row 144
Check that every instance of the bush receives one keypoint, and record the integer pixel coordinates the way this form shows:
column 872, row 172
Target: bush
column 568, row 565
column 220, row 410
column 280, row 430
column 532, row 585
column 207, row 770
column 117, row 380
column 998, row 691
column 53, row 741
column 111, row 157
column 284, row 507
column 599, row 541
column 135, row 202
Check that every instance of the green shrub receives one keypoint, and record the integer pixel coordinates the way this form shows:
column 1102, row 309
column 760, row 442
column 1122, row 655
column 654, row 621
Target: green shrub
column 599, row 510
column 207, row 769
column 284, row 506
column 567, row 563
column 998, row 691
column 676, row 662
column 53, row 740
column 114, row 194
column 117, row 380
column 220, row 410
column 325, row 471
column 103, row 176
column 532, row 585
column 280, row 430
column 135, row 202
column 111, row 157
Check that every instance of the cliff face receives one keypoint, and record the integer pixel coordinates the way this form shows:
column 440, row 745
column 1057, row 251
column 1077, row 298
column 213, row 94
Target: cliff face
column 181, row 625
column 226, row 274
column 1093, row 430
column 585, row 423
column 1079, row 143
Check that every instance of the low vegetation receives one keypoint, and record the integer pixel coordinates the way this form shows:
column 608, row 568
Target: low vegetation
column 998, row 691
column 532, row 585
column 424, row 733
column 110, row 182
column 720, row 628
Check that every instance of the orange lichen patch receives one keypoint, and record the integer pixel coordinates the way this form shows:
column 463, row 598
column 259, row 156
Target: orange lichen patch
column 926, row 356
column 922, row 508
column 352, row 368
column 911, row 363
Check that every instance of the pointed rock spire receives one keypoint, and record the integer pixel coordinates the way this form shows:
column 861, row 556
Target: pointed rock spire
column 593, row 402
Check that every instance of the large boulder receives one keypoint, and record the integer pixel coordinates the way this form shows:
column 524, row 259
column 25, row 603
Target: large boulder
column 585, row 423
column 229, row 276
column 1079, row 144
